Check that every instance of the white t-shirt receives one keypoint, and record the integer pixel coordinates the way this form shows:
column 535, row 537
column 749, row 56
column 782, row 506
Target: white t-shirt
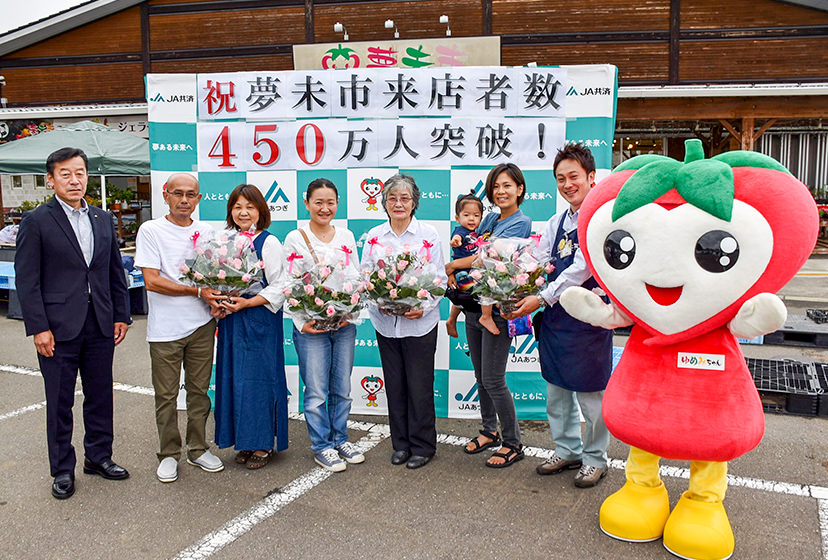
column 163, row 245
column 295, row 243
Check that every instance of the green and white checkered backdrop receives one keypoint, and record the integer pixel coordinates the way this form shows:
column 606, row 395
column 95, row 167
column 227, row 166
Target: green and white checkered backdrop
column 261, row 128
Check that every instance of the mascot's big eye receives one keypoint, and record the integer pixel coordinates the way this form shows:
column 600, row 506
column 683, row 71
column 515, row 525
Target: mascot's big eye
column 619, row 249
column 717, row 251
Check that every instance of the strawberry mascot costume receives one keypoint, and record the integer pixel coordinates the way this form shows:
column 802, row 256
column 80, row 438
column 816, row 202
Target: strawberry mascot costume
column 692, row 254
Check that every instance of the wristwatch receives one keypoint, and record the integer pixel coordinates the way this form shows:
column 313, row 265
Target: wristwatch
column 541, row 302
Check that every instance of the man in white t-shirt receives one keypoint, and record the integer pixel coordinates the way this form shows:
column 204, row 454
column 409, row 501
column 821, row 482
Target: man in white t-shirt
column 180, row 327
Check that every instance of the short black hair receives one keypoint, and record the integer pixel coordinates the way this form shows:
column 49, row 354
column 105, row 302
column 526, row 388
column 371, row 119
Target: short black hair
column 513, row 171
column 468, row 198
column 65, row 154
column 579, row 153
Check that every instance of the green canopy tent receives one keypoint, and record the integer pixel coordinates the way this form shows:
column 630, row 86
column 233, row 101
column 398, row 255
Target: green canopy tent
column 110, row 152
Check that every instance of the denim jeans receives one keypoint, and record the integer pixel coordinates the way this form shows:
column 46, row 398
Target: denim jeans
column 325, row 364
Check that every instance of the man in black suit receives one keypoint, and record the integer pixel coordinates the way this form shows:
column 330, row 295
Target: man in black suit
column 73, row 295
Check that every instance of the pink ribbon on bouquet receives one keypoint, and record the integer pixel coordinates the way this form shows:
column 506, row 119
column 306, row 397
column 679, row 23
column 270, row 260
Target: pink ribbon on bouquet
column 373, row 241
column 347, row 252
column 427, row 248
column 248, row 234
column 537, row 238
column 479, row 242
column 292, row 257
column 194, row 238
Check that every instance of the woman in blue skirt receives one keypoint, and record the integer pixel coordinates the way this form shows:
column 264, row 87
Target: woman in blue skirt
column 251, row 391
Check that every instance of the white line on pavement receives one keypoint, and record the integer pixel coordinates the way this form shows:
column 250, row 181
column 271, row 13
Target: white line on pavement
column 31, row 407
column 818, row 492
column 233, row 529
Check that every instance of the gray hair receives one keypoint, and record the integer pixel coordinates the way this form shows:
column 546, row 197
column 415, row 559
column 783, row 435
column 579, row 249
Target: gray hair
column 397, row 182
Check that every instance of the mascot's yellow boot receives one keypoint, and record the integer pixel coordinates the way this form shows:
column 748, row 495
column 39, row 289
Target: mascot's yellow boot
column 698, row 528
column 637, row 512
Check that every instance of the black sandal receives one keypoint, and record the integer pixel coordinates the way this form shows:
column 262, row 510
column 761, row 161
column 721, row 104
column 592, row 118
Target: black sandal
column 495, row 437
column 514, row 455
column 243, row 455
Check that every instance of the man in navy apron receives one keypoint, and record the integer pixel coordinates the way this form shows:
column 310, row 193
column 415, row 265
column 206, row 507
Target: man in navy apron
column 576, row 358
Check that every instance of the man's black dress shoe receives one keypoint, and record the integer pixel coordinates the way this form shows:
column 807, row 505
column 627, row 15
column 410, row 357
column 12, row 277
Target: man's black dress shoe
column 63, row 487
column 417, row 461
column 108, row 469
column 400, row 457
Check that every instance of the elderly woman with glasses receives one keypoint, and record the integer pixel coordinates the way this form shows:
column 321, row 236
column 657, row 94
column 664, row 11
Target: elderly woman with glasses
column 407, row 343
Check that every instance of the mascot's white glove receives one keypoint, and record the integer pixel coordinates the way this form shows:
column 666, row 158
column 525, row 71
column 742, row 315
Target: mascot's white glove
column 761, row 314
column 588, row 307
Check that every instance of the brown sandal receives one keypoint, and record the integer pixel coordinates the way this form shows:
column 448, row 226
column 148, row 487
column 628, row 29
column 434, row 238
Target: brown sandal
column 257, row 462
column 243, row 455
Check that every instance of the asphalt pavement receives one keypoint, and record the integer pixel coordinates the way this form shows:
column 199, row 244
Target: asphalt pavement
column 454, row 507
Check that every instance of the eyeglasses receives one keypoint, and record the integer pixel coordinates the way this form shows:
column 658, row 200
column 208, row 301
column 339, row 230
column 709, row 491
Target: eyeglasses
column 393, row 200
column 190, row 195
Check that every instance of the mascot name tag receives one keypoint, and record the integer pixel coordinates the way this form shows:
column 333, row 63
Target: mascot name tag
column 692, row 360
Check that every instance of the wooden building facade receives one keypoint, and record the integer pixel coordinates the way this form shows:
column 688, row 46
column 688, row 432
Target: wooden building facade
column 670, row 53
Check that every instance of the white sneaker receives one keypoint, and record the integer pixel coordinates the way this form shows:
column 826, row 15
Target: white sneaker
column 208, row 462
column 350, row 453
column 167, row 470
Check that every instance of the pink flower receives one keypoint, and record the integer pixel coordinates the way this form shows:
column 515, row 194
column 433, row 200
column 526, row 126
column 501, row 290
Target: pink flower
column 330, row 311
column 237, row 263
column 308, row 289
column 199, row 276
column 348, row 287
column 491, row 282
column 401, row 265
column 334, row 293
column 549, row 268
column 530, row 266
column 407, row 248
column 222, row 251
column 500, row 267
column 324, row 271
column 224, row 238
column 246, row 277
column 422, row 294
column 393, row 293
column 522, row 279
column 354, row 298
column 369, row 285
column 389, row 286
column 412, row 281
column 183, row 268
column 222, row 275
column 293, row 302
column 437, row 281
column 389, row 251
column 381, row 274
column 286, row 291
column 318, row 301
column 540, row 282
column 199, row 250
column 260, row 265
column 476, row 274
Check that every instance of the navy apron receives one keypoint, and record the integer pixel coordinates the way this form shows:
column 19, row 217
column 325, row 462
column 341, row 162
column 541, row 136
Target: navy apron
column 574, row 355
column 251, row 390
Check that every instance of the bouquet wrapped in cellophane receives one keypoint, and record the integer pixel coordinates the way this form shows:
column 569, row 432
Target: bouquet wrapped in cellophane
column 404, row 281
column 328, row 292
column 506, row 271
column 226, row 263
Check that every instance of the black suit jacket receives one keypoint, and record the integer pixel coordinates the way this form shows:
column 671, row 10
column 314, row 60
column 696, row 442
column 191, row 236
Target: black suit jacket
column 53, row 280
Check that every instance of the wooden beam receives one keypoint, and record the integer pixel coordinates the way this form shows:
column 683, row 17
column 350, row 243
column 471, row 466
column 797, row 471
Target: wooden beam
column 487, row 17
column 146, row 60
column 763, row 129
column 715, row 108
column 747, row 133
column 675, row 31
column 731, row 130
column 309, row 38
